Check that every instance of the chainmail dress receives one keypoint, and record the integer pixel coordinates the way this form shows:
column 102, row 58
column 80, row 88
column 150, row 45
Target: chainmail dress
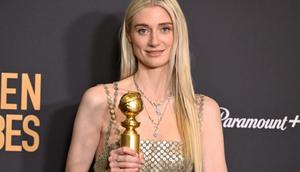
column 163, row 155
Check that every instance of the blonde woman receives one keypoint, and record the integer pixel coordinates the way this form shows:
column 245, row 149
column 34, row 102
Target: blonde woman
column 179, row 130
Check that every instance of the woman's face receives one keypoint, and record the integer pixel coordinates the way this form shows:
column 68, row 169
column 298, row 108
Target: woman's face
column 151, row 36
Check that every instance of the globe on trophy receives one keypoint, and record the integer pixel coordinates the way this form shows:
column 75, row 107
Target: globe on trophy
column 131, row 105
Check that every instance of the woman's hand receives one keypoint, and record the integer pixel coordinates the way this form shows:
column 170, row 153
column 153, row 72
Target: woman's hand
column 126, row 160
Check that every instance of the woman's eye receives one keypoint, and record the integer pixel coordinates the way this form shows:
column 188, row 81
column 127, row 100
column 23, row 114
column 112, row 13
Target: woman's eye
column 142, row 31
column 166, row 29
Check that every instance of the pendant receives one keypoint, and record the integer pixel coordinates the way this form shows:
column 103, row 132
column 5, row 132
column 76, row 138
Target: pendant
column 156, row 132
column 157, row 109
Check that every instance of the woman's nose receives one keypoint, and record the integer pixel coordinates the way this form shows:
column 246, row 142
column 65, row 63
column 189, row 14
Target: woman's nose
column 154, row 39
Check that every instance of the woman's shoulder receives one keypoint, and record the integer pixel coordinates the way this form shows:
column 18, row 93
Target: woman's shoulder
column 209, row 101
column 210, row 110
column 94, row 97
column 208, row 105
column 97, row 96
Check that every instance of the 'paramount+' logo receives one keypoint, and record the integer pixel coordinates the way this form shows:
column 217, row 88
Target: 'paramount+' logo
column 258, row 123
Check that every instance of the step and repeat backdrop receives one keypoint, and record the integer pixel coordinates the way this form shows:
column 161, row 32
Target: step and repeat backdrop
column 245, row 54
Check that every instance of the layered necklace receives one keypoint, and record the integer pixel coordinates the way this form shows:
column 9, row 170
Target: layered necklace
column 158, row 108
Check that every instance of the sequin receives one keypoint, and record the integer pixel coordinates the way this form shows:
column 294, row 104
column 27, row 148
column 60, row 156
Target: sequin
column 163, row 156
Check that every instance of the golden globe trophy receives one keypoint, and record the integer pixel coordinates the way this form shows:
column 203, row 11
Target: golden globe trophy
column 131, row 105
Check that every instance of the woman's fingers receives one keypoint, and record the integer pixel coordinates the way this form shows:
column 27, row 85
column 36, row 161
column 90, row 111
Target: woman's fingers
column 124, row 170
column 124, row 165
column 124, row 155
column 126, row 150
column 125, row 159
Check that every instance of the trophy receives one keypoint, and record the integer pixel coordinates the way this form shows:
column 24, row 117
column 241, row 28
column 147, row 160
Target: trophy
column 131, row 104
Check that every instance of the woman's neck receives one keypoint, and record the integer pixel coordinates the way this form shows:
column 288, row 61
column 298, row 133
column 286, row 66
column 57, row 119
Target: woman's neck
column 153, row 82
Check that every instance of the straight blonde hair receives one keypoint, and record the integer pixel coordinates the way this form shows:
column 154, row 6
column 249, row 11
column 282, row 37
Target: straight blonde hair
column 187, row 114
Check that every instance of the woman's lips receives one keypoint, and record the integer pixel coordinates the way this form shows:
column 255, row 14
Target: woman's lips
column 154, row 53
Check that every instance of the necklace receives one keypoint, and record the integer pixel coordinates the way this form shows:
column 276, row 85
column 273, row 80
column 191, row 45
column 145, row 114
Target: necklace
column 156, row 106
column 156, row 123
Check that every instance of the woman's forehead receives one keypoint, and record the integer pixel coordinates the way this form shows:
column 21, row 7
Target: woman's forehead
column 151, row 15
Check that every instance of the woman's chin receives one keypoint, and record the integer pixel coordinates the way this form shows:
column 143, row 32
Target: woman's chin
column 155, row 64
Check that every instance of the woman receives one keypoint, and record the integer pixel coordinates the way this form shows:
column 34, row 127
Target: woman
column 179, row 130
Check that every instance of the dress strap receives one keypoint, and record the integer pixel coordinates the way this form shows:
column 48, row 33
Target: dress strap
column 111, row 108
column 200, row 103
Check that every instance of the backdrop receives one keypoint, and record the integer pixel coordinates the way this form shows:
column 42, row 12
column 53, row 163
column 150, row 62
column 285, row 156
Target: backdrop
column 245, row 54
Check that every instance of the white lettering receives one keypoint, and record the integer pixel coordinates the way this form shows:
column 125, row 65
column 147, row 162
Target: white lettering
column 252, row 123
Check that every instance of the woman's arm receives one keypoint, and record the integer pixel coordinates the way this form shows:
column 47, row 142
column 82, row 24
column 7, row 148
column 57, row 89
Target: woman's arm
column 212, row 138
column 86, row 130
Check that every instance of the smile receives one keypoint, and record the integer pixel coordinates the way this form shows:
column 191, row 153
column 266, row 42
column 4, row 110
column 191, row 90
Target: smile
column 154, row 53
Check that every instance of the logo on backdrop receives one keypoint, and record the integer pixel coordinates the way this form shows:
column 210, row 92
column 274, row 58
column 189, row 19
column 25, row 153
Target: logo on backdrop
column 258, row 123
column 17, row 125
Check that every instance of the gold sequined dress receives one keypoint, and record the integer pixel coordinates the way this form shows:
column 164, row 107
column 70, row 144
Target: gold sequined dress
column 163, row 155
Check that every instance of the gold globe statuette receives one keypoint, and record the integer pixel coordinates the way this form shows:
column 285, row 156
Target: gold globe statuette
column 131, row 105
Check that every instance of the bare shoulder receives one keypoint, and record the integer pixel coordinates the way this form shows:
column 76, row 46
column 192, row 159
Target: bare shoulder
column 210, row 110
column 93, row 105
column 94, row 97
column 210, row 104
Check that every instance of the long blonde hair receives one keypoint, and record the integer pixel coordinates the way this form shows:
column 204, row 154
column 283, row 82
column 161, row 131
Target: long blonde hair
column 187, row 114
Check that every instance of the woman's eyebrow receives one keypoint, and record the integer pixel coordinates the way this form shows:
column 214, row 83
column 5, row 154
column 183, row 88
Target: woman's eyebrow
column 166, row 23
column 160, row 24
column 141, row 24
